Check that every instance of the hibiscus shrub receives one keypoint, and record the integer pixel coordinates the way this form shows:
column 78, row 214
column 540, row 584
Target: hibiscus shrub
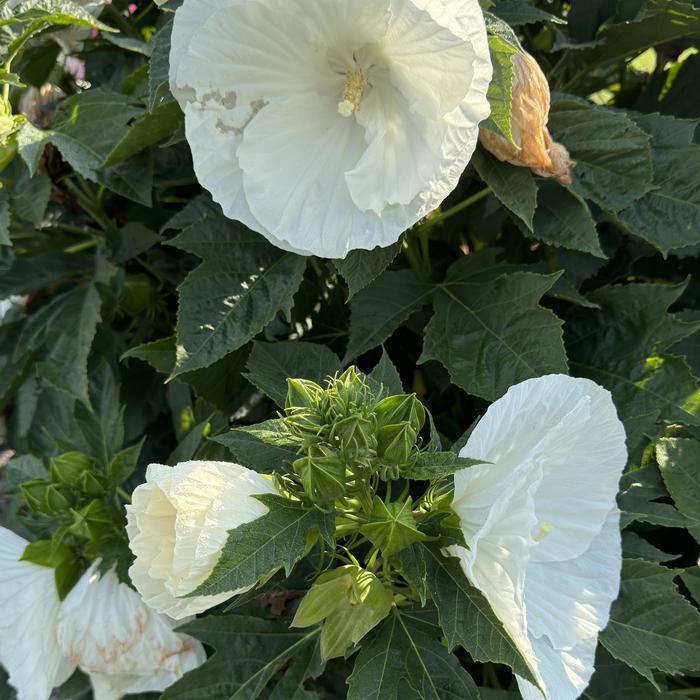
column 347, row 349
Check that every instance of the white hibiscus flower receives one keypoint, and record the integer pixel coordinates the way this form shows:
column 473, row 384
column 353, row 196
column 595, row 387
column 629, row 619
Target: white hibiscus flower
column 102, row 626
column 125, row 647
column 542, row 524
column 178, row 523
column 29, row 649
column 330, row 125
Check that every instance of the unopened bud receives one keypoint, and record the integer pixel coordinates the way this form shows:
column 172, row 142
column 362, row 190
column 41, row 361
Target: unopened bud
column 322, row 475
column 395, row 443
column 69, row 468
column 534, row 147
column 303, row 393
column 401, row 408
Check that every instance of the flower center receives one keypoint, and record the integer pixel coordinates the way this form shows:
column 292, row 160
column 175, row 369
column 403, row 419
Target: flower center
column 354, row 87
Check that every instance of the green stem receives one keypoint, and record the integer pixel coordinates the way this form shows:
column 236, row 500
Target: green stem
column 79, row 247
column 124, row 495
column 465, row 204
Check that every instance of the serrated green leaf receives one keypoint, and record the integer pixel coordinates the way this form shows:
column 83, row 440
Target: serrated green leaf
column 274, row 541
column 158, row 67
column 612, row 154
column 519, row 12
column 465, row 616
column 264, row 447
column 271, row 364
column 380, row 308
column 404, row 649
column 564, row 219
column 360, row 267
column 384, row 379
column 675, row 198
column 489, row 330
column 64, row 328
column 652, row 627
column 124, row 464
column 31, row 273
column 437, row 465
column 515, row 187
column 503, row 45
column 622, row 346
column 250, row 652
column 5, row 222
column 60, row 12
column 86, row 128
column 241, row 285
column 679, row 464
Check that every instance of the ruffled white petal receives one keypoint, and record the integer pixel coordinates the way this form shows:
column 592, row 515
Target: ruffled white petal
column 178, row 523
column 29, row 650
column 542, row 525
column 105, row 628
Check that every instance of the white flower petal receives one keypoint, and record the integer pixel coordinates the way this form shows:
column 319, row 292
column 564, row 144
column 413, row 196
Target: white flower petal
column 548, row 563
column 428, row 62
column 178, row 523
column 29, row 651
column 309, row 147
column 105, row 628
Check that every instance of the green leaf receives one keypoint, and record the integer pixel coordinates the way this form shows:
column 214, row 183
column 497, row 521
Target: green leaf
column 160, row 354
column 515, row 187
column 613, row 680
column 276, row 540
column 436, row 465
column 190, row 442
column 148, row 129
column 641, row 499
column 30, row 273
column 659, row 22
column 61, row 12
column 271, row 364
column 519, row 12
column 132, row 178
column 250, row 653
column 158, row 67
column 652, row 627
column 384, row 379
column 379, row 309
column 612, row 154
column 489, row 330
column 241, row 285
column 503, row 45
column 406, row 650
column 679, row 464
column 86, row 128
column 65, row 328
column 124, row 464
column 564, row 219
column 24, row 468
column 360, row 267
column 30, row 197
column 621, row 346
column 265, row 447
column 676, row 193
column 465, row 615
column 5, row 222
column 13, row 369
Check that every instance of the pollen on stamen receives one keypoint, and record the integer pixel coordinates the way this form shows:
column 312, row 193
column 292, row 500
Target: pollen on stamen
column 353, row 89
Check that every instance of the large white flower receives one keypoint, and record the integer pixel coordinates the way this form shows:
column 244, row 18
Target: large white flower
column 123, row 645
column 330, row 125
column 29, row 649
column 178, row 523
column 542, row 524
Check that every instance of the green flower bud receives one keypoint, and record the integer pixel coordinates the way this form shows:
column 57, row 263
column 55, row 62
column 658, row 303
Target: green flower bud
column 69, row 467
column 399, row 409
column 303, row 393
column 34, row 494
column 350, row 601
column 57, row 499
column 354, row 435
column 305, row 424
column 322, row 475
column 91, row 485
column 91, row 521
column 396, row 443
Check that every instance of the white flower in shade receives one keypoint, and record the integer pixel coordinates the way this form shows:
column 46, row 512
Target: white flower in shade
column 29, row 649
column 123, row 645
column 330, row 125
column 542, row 524
column 178, row 523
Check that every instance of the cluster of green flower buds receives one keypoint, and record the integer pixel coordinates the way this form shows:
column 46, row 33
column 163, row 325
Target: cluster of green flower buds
column 346, row 433
column 73, row 494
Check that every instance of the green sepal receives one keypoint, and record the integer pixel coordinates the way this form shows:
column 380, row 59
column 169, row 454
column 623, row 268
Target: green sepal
column 91, row 521
column 396, row 443
column 69, row 467
column 322, row 474
column 56, row 555
column 392, row 527
column 350, row 601
column 303, row 393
